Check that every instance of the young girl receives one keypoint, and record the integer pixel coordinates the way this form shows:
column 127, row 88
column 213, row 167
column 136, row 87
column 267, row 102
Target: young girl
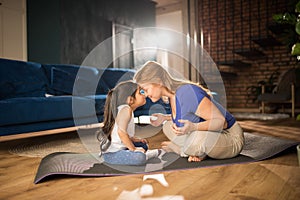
column 117, row 142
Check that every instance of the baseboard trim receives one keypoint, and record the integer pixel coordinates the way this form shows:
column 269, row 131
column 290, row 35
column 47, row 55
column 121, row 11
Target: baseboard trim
column 45, row 132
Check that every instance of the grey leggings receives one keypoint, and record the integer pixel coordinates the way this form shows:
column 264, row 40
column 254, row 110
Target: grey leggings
column 127, row 157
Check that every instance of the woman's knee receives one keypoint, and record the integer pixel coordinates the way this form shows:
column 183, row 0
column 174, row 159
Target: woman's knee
column 167, row 128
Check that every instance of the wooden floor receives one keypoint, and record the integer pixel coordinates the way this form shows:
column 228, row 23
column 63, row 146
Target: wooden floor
column 276, row 178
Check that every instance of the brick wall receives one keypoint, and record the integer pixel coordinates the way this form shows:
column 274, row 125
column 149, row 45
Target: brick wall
column 229, row 25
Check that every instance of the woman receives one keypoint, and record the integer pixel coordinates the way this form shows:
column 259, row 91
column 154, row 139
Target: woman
column 198, row 126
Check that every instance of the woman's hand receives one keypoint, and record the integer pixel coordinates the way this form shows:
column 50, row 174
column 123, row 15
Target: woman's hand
column 160, row 118
column 186, row 128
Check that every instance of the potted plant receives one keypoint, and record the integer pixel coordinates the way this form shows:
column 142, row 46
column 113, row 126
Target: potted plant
column 291, row 34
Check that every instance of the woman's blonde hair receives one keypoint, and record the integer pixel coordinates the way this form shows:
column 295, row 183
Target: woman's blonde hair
column 153, row 72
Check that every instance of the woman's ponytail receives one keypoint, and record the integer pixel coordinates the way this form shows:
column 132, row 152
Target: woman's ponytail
column 109, row 115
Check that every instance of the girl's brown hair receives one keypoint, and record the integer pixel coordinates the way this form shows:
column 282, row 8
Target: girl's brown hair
column 115, row 97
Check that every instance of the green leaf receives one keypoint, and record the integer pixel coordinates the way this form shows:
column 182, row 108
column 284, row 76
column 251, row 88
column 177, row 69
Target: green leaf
column 297, row 9
column 289, row 18
column 296, row 49
column 297, row 28
column 278, row 18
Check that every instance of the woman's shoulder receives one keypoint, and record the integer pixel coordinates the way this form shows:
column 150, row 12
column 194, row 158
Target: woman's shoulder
column 189, row 87
column 191, row 91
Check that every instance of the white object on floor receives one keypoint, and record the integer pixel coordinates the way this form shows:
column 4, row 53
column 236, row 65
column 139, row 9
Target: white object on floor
column 135, row 195
column 166, row 197
column 159, row 177
column 146, row 190
column 125, row 195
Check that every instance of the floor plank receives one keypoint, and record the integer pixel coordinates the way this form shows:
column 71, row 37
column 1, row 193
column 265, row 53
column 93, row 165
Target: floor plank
column 285, row 128
column 275, row 178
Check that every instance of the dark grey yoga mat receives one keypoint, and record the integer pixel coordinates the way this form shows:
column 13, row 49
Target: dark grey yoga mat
column 257, row 148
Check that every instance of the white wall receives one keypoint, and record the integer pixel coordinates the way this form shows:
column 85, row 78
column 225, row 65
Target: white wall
column 13, row 37
column 172, row 20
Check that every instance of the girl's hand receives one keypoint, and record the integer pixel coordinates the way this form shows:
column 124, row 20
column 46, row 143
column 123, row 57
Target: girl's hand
column 186, row 128
column 160, row 118
column 143, row 140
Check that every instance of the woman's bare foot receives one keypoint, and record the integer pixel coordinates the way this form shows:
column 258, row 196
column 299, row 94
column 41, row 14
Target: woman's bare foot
column 169, row 146
column 195, row 159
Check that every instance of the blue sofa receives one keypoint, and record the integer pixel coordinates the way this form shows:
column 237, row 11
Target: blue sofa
column 37, row 97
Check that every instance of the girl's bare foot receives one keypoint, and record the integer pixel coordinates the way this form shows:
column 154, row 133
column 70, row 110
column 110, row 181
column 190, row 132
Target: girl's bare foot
column 195, row 159
column 170, row 147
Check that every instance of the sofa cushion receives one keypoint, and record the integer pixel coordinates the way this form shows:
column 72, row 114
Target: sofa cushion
column 99, row 102
column 38, row 109
column 62, row 80
column 110, row 77
column 89, row 80
column 72, row 79
column 21, row 79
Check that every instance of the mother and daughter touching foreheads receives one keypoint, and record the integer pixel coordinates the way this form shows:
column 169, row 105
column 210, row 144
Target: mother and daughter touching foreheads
column 197, row 127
